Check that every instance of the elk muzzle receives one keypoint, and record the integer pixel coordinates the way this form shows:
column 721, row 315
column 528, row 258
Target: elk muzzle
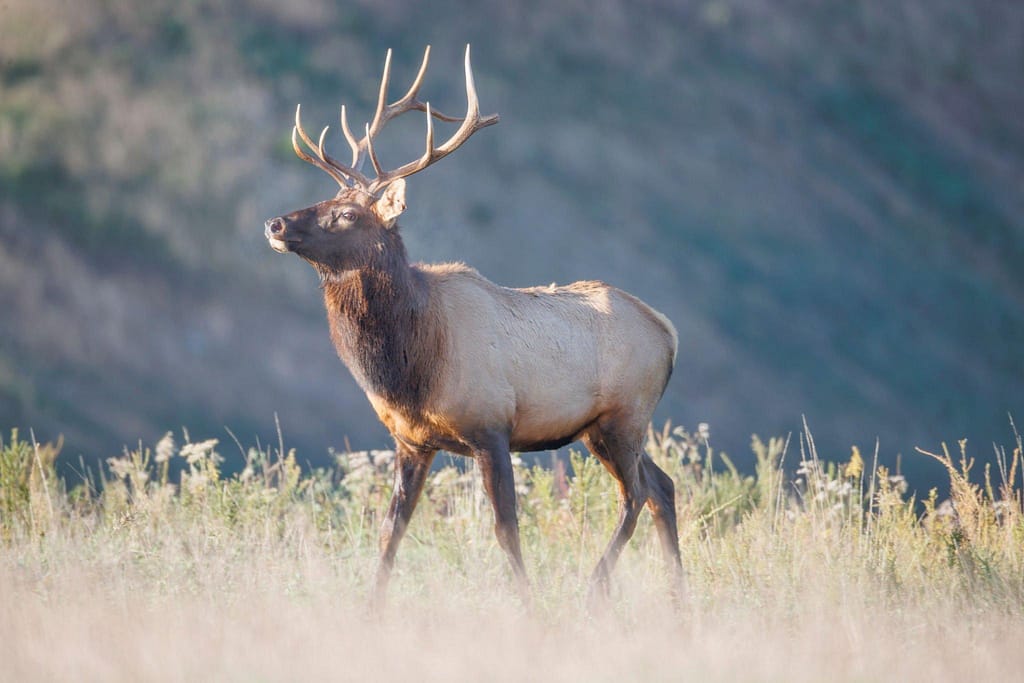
column 276, row 232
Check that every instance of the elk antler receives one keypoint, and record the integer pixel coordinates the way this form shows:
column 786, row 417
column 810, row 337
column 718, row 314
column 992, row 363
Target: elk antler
column 350, row 175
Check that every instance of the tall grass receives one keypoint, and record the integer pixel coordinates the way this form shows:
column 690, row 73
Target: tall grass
column 164, row 567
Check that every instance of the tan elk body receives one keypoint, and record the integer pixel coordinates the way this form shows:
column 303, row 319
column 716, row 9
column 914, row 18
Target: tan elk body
column 544, row 362
column 451, row 361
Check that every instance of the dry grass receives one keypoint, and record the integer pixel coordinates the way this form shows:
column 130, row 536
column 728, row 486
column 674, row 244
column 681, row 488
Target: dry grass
column 833, row 574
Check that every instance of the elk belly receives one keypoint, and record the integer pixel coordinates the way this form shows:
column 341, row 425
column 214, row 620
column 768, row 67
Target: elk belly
column 556, row 397
column 534, row 431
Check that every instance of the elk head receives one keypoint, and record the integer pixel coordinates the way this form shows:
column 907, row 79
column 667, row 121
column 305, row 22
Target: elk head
column 358, row 223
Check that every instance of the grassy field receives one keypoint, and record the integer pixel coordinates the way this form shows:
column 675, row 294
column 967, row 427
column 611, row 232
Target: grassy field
column 164, row 568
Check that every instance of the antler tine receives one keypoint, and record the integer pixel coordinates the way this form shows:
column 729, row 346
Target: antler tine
column 316, row 162
column 430, row 134
column 381, row 116
column 473, row 121
column 297, row 131
column 356, row 177
column 344, row 175
column 352, row 142
column 373, row 155
column 302, row 131
column 470, row 124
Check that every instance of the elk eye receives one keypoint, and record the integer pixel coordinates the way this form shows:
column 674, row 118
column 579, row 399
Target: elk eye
column 348, row 214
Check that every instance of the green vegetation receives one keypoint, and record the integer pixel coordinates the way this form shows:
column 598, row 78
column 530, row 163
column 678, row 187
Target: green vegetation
column 832, row 571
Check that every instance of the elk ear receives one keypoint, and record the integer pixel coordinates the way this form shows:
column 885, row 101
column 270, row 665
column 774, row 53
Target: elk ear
column 392, row 203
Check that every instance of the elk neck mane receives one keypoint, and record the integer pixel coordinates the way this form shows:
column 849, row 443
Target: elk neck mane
column 382, row 326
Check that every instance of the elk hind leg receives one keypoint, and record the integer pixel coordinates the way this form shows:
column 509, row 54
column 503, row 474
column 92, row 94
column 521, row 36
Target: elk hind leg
column 661, row 501
column 620, row 454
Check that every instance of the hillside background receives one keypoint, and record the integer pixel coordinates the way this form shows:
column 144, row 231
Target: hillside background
column 825, row 197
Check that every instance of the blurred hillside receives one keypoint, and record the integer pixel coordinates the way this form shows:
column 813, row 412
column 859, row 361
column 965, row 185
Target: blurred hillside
column 826, row 199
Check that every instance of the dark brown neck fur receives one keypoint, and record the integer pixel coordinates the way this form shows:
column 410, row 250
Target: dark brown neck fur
column 378, row 313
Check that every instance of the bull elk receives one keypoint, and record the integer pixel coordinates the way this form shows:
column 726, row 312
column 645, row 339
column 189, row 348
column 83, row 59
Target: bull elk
column 450, row 361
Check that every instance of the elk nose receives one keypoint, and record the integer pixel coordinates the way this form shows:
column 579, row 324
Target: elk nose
column 275, row 226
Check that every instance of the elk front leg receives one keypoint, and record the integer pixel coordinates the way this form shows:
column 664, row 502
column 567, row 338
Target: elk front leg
column 411, row 468
column 495, row 463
